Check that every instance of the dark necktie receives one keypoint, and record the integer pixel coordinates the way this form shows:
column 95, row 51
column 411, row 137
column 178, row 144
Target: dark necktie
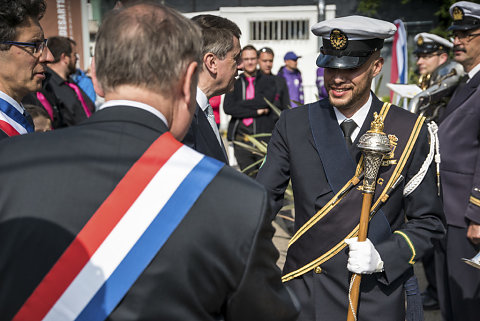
column 348, row 126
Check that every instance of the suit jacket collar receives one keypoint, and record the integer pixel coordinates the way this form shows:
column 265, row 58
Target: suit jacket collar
column 130, row 115
column 209, row 137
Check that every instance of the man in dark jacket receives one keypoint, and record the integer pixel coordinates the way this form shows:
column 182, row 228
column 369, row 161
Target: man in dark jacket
column 316, row 147
column 248, row 108
column 122, row 221
column 459, row 135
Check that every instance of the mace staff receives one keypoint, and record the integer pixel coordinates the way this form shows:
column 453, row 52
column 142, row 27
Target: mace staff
column 374, row 145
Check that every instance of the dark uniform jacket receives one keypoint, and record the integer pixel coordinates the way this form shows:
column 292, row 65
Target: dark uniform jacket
column 219, row 263
column 201, row 137
column 459, row 136
column 239, row 108
column 303, row 134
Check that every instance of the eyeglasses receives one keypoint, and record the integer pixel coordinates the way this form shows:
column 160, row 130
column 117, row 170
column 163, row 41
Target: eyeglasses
column 38, row 46
column 462, row 35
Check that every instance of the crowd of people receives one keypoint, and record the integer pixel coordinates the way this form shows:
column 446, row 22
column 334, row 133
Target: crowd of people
column 130, row 211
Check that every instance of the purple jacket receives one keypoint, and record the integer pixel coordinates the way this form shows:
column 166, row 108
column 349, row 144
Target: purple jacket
column 294, row 84
column 322, row 92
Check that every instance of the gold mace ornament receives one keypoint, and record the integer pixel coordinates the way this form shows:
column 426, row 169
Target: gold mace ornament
column 374, row 145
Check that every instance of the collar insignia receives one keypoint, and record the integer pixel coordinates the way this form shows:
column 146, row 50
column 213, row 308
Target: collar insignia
column 457, row 14
column 338, row 39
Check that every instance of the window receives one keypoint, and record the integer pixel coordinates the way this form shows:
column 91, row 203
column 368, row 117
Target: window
column 279, row 30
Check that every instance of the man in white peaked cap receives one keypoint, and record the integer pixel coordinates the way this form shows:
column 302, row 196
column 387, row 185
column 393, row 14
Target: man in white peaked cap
column 459, row 135
column 316, row 147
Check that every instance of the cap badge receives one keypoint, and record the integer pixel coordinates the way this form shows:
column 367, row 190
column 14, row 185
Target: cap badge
column 457, row 14
column 420, row 41
column 338, row 39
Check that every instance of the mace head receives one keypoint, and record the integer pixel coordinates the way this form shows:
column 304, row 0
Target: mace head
column 375, row 140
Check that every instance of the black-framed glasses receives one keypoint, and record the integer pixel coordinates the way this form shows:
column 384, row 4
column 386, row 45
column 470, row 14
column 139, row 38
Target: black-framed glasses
column 462, row 35
column 38, row 46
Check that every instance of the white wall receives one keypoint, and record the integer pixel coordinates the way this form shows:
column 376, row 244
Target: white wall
column 307, row 49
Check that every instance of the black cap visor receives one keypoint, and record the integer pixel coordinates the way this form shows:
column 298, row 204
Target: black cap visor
column 340, row 62
column 466, row 23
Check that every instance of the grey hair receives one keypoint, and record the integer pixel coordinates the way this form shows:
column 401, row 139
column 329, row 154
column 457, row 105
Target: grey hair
column 146, row 45
column 217, row 34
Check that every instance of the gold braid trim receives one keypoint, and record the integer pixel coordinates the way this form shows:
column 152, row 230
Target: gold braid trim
column 474, row 201
column 398, row 169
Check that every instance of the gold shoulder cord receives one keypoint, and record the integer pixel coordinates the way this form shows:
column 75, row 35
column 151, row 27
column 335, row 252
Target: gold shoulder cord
column 331, row 204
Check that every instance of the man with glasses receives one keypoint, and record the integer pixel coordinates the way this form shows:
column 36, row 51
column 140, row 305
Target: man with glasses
column 68, row 103
column 459, row 134
column 23, row 58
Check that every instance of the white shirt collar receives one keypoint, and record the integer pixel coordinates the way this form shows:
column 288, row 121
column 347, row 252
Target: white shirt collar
column 473, row 72
column 131, row 103
column 359, row 117
column 202, row 99
column 12, row 102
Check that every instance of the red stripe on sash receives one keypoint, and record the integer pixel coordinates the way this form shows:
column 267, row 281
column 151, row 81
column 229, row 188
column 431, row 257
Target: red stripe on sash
column 97, row 229
column 8, row 129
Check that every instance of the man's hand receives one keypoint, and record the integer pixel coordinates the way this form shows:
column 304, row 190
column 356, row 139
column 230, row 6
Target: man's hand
column 263, row 111
column 363, row 258
column 473, row 233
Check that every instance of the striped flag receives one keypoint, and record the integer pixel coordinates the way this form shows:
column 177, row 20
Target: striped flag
column 399, row 70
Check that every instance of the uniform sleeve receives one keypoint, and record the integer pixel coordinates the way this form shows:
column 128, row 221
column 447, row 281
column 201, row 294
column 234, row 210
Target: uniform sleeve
column 424, row 219
column 261, row 295
column 473, row 208
column 275, row 172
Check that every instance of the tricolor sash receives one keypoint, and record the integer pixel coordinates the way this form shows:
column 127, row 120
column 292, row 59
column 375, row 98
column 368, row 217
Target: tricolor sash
column 337, row 220
column 12, row 122
column 123, row 236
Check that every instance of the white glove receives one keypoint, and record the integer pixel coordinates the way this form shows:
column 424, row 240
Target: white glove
column 363, row 258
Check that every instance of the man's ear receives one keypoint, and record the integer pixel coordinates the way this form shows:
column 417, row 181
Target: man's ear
column 377, row 66
column 190, row 83
column 210, row 62
column 443, row 58
column 96, row 85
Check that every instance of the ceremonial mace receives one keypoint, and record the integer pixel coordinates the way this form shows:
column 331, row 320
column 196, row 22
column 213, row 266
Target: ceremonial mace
column 374, row 145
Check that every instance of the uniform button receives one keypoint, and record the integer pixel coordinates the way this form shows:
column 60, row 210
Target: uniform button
column 318, row 270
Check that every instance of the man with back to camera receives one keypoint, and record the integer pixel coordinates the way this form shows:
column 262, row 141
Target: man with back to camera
column 134, row 230
column 220, row 61
column 23, row 57
column 316, row 147
column 265, row 63
column 459, row 131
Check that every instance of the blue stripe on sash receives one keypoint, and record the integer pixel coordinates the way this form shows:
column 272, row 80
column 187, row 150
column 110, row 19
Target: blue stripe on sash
column 148, row 245
column 14, row 114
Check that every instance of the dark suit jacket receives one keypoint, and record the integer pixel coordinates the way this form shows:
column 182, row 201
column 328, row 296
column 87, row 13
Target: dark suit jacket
column 459, row 135
column 65, row 100
column 292, row 154
column 239, row 108
column 218, row 264
column 201, row 137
